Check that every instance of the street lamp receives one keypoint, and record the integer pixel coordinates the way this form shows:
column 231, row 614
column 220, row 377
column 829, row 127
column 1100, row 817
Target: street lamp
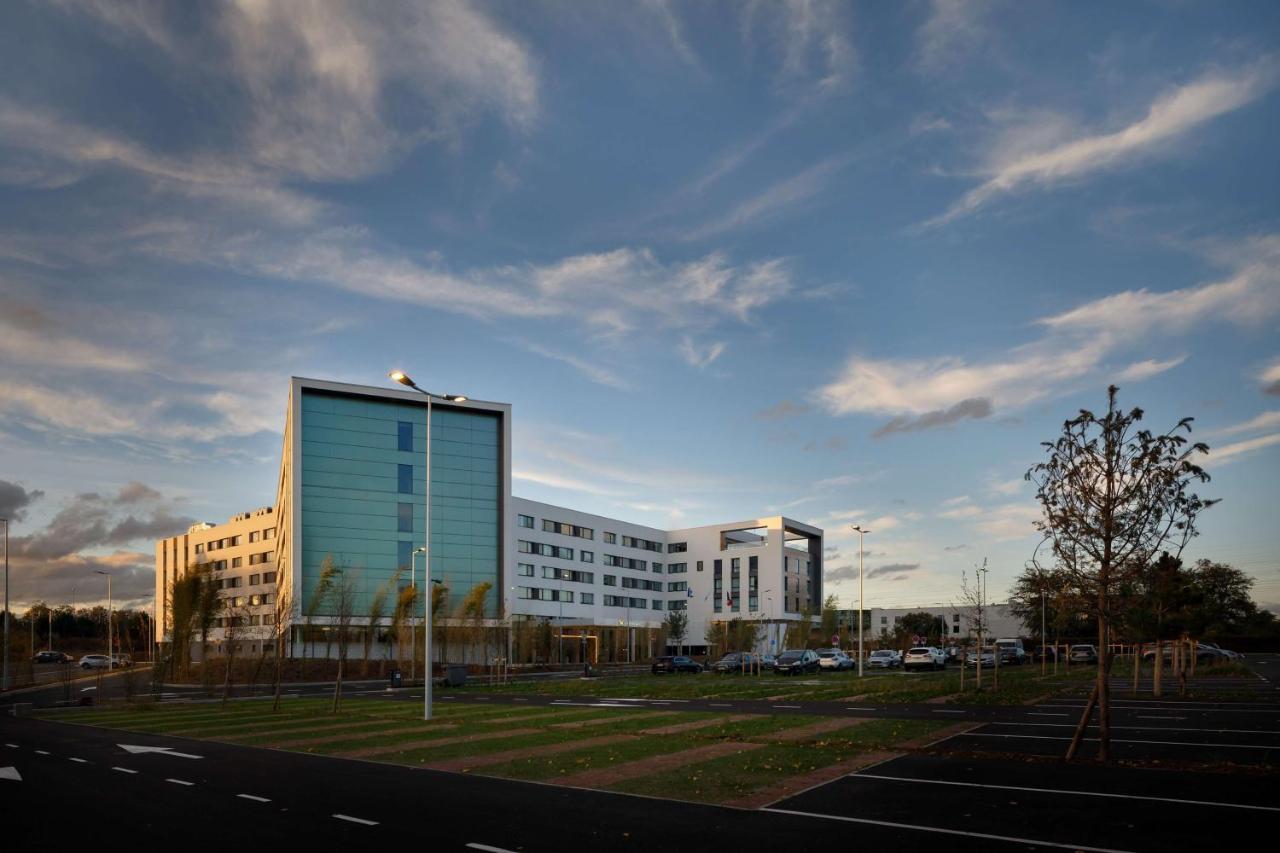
column 403, row 379
column 4, row 683
column 109, row 611
column 860, row 530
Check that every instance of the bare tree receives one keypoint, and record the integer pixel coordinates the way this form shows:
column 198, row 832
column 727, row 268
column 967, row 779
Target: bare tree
column 209, row 604
column 378, row 609
column 342, row 599
column 1112, row 496
column 328, row 572
column 973, row 611
column 283, row 607
column 235, row 620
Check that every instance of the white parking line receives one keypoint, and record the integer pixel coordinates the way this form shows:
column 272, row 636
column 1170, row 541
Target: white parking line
column 786, row 706
column 944, row 831
column 1120, row 740
column 940, row 711
column 358, row 820
column 124, row 769
column 1143, row 717
column 1148, row 728
column 487, row 848
column 78, row 760
column 12, row 745
column 41, row 752
column 861, row 709
column 913, row 780
column 252, row 797
column 180, row 782
column 719, row 705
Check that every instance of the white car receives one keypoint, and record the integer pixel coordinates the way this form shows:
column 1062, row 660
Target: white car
column 95, row 662
column 834, row 659
column 925, row 657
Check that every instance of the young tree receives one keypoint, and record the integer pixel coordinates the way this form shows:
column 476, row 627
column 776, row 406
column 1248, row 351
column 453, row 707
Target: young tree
column 282, row 607
column 378, row 609
column 235, row 619
column 324, row 583
column 973, row 611
column 439, row 607
column 830, row 619
column 677, row 626
column 1112, row 496
column 209, row 606
column 473, row 615
column 183, row 594
column 342, row 599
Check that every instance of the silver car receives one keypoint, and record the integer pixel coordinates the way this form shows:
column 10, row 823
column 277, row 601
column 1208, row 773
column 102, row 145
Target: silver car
column 924, row 657
column 95, row 662
column 883, row 659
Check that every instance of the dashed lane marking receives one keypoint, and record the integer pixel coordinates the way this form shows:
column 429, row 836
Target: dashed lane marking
column 254, row 798
column 78, row 760
column 358, row 820
column 180, row 782
column 475, row 845
column 124, row 770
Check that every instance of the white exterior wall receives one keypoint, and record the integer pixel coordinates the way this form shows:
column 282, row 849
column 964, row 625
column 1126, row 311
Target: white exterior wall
column 1000, row 622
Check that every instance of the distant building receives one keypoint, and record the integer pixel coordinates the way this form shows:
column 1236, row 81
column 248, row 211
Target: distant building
column 1000, row 622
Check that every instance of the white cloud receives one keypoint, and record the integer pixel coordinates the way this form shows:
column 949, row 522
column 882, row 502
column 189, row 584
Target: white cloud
column 961, row 512
column 1140, row 370
column 809, row 39
column 1168, row 117
column 1010, row 521
column 956, row 501
column 952, row 32
column 28, row 336
column 788, row 193
column 1270, row 377
column 592, row 370
column 560, row 481
column 698, row 356
column 1230, row 451
column 1073, row 347
column 1266, row 420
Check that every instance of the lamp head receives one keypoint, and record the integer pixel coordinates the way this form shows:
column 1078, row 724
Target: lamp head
column 401, row 377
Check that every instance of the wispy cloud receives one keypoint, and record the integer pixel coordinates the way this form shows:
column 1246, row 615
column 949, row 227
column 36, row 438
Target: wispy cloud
column 590, row 369
column 1266, row 420
column 1270, row 378
column 1168, row 117
column 1140, row 370
column 700, row 356
column 780, row 410
column 973, row 409
column 782, row 196
column 953, row 30
column 1231, row 451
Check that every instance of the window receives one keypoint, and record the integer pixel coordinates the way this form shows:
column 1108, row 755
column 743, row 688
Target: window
column 657, row 568
column 525, row 521
column 679, row 568
column 657, row 604
column 610, row 580
column 233, row 541
column 404, row 518
column 587, row 556
column 572, row 575
column 270, row 532
column 255, row 559
column 587, row 598
column 645, row 544
column 524, row 570
column 254, row 580
column 199, row 547
column 404, row 554
column 404, row 479
column 255, row 600
column 268, row 577
column 268, row 619
column 404, row 435
column 253, row 536
column 884, row 620
column 955, row 618
column 955, row 629
column 681, row 604
column 699, row 565
column 565, row 529
column 625, row 562
column 610, row 539
column 236, row 562
column 544, row 550
column 233, row 583
column 640, row 583
column 677, row 547
column 677, row 586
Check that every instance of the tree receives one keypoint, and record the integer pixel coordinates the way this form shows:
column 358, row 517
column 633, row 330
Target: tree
column 328, row 572
column 183, row 593
column 342, row 598
column 283, row 606
column 677, row 626
column 920, row 623
column 209, row 604
column 472, row 613
column 234, row 620
column 830, row 619
column 1221, row 599
column 973, row 612
column 378, row 609
column 1113, row 495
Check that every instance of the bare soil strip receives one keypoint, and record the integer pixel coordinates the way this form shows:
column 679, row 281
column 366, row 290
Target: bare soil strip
column 471, row 763
column 409, row 746
column 606, row 776
column 677, row 728
column 336, row 738
column 821, row 727
column 602, row 721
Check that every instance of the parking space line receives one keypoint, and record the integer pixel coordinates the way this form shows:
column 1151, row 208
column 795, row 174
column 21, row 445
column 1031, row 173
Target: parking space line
column 1149, row 728
column 42, row 752
column 12, row 745
column 124, row 770
column 913, row 780
column 487, row 848
column 719, row 705
column 786, row 706
column 358, row 820
column 1034, row 714
column 1121, row 740
column 180, row 782
column 945, row 831
column 78, row 760
column 252, row 797
column 862, row 709
column 941, row 711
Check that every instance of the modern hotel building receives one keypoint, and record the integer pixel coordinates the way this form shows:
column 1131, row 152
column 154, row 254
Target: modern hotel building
column 353, row 491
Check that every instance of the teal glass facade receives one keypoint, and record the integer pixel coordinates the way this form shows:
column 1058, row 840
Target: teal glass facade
column 354, row 476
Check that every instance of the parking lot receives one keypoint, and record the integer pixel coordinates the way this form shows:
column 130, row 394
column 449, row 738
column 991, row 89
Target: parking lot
column 1185, row 775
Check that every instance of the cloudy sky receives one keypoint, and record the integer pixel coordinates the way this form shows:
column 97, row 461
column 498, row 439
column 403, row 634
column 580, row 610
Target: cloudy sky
column 845, row 262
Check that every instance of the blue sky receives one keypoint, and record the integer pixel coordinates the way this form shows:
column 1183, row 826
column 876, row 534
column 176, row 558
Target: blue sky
column 844, row 262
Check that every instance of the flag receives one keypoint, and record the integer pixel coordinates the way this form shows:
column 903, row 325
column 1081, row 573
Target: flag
column 690, row 593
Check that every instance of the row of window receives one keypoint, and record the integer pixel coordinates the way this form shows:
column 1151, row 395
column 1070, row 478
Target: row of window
column 564, row 596
column 643, row 544
column 624, row 601
column 545, row 550
column 233, row 541
column 566, row 529
column 625, row 562
column 247, row 621
column 679, row 568
column 640, row 583
column 264, row 557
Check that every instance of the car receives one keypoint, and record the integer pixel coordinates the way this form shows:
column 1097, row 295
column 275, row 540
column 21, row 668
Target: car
column 924, row 657
column 796, row 662
column 986, row 656
column 121, row 660
column 1049, row 653
column 676, row 664
column 883, row 659
column 94, row 662
column 1011, row 652
column 1230, row 654
column 1083, row 654
column 735, row 662
column 1205, row 653
column 767, row 661
column 834, row 659
column 52, row 657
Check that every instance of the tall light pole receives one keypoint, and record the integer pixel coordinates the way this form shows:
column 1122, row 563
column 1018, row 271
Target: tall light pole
column 413, row 629
column 110, row 607
column 403, row 379
column 560, row 620
column 4, row 683
column 861, row 531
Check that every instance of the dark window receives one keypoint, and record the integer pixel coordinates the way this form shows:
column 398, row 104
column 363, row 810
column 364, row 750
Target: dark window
column 404, row 474
column 404, row 554
column 405, row 518
column 404, row 436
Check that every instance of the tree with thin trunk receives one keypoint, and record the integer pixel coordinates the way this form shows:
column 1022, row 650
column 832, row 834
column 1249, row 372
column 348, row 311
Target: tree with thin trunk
column 324, row 583
column 184, row 592
column 342, row 602
column 1113, row 495
column 378, row 609
column 281, row 609
column 473, row 614
column 677, row 626
column 235, row 619
column 973, row 611
column 439, row 603
column 209, row 606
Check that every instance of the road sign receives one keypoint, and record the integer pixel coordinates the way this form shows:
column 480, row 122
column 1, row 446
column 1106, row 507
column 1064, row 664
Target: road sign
column 835, row 639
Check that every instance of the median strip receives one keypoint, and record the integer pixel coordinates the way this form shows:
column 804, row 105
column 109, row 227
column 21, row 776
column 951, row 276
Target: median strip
column 409, row 746
column 606, row 776
column 475, row 761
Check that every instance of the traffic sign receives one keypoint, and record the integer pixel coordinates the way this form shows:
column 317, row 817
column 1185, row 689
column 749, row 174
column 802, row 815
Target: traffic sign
column 835, row 639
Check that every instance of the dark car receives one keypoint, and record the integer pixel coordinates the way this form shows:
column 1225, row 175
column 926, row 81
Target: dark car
column 52, row 657
column 676, row 664
column 796, row 662
column 735, row 662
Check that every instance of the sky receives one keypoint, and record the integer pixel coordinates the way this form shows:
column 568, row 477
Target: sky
column 846, row 262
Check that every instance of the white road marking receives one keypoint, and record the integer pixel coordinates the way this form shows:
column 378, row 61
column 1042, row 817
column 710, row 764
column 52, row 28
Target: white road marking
column 786, row 706
column 41, row 752
column 124, row 770
column 1146, row 728
column 939, row 711
column 944, row 831
column 1034, row 714
column 10, row 773
column 79, row 760
column 358, row 820
column 162, row 750
column 252, row 797
column 487, row 848
column 1066, row 791
column 861, row 709
column 521, row 700
column 12, row 745
column 719, row 705
column 1119, row 740
column 1141, row 717
column 180, row 782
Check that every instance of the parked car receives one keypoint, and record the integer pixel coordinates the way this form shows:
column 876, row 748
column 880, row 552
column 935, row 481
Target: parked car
column 121, row 660
column 1011, row 652
column 767, row 661
column 834, row 659
column 883, row 659
column 1205, row 653
column 987, row 656
column 735, row 662
column 52, row 657
column 924, row 657
column 796, row 662
column 1049, row 653
column 675, row 664
column 1083, row 654
column 1230, row 654
column 95, row 662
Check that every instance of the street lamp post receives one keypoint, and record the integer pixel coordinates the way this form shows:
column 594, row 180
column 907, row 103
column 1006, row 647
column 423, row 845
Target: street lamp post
column 860, row 530
column 4, row 683
column 110, row 608
column 413, row 629
column 403, row 379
